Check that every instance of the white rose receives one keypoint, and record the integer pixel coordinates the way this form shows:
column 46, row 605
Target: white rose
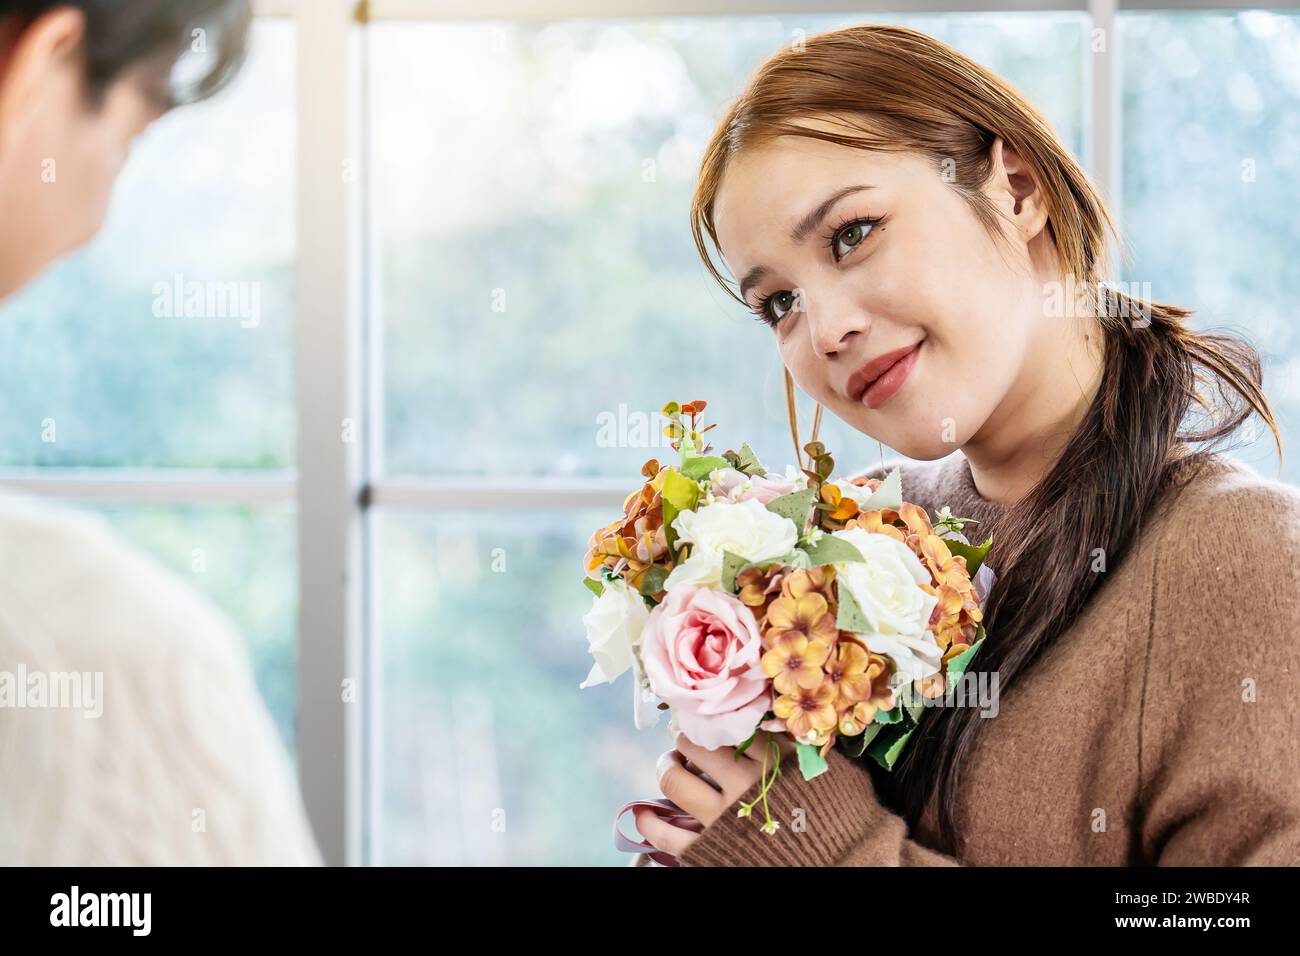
column 614, row 626
column 886, row 585
column 744, row 528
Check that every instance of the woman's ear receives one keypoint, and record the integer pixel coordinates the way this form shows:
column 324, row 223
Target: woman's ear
column 1015, row 191
column 36, row 55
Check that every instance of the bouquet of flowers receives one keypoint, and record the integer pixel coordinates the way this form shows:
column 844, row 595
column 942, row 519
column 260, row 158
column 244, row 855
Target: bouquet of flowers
column 750, row 601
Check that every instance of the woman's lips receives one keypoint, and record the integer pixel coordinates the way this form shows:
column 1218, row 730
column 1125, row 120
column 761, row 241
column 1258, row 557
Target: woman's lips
column 888, row 384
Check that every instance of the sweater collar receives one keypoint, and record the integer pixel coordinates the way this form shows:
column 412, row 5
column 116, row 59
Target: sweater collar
column 956, row 489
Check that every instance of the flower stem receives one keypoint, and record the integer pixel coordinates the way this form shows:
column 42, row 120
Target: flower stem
column 768, row 780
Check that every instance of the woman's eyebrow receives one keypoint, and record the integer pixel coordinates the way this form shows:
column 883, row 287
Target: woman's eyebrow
column 811, row 221
column 801, row 230
column 752, row 278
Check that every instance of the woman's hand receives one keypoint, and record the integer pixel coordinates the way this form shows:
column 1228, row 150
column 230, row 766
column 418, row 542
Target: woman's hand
column 705, row 783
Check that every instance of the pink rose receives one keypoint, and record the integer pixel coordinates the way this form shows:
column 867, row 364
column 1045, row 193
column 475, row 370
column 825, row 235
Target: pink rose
column 733, row 485
column 701, row 649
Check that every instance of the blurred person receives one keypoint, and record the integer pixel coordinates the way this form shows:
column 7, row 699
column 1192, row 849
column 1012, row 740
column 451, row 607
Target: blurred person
column 131, row 730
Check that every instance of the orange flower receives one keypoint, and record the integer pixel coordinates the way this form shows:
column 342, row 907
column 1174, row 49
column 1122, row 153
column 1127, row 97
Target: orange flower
column 808, row 712
column 842, row 508
column 880, row 522
column 945, row 568
column 958, row 612
column 862, row 679
column 759, row 587
column 796, row 663
column 820, row 579
column 915, row 518
column 936, row 685
column 637, row 540
column 932, row 687
column 858, row 718
column 806, row 616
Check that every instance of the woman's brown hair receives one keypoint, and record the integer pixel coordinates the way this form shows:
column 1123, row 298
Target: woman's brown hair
column 1164, row 389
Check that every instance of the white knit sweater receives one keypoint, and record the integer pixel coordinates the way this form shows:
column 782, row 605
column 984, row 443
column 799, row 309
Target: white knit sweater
column 183, row 767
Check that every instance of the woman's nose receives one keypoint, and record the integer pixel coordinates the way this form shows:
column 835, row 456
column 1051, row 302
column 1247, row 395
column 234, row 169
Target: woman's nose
column 832, row 321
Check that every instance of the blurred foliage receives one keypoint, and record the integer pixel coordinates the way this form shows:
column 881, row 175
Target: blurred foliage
column 491, row 754
column 1211, row 161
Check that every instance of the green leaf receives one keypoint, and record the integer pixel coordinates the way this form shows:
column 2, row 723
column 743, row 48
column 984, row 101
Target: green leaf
column 811, row 762
column 732, row 565
column 747, row 462
column 594, row 586
column 796, row 558
column 973, row 553
column 912, row 703
column 683, row 493
column 850, row 617
column 866, row 737
column 679, row 494
column 741, row 748
column 831, row 550
column 652, row 582
column 686, row 445
column 890, row 716
column 698, row 467
column 888, row 747
column 670, row 534
column 794, row 506
column 888, row 495
column 957, row 666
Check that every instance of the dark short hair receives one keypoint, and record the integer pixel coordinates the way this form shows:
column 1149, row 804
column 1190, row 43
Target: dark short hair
column 121, row 34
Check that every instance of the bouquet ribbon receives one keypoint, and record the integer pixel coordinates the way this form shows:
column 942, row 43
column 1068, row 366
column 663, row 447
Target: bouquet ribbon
column 667, row 811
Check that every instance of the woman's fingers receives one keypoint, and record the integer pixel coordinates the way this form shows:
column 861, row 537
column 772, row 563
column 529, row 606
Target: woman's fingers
column 660, row 833
column 732, row 775
column 688, row 791
column 700, row 772
column 705, row 782
column 760, row 747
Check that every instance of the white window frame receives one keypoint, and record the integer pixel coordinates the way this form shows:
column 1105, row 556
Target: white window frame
column 338, row 351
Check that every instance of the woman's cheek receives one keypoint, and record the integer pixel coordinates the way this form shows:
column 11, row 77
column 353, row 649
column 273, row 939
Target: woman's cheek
column 812, row 375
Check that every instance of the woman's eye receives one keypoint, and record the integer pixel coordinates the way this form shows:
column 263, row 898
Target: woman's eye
column 848, row 238
column 776, row 306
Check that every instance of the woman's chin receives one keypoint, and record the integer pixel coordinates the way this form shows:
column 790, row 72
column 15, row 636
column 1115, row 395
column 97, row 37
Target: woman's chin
column 917, row 437
column 922, row 451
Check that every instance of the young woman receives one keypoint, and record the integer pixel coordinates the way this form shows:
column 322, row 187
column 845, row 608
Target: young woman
column 930, row 260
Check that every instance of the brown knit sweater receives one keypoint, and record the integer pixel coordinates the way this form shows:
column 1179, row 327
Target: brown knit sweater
column 1163, row 728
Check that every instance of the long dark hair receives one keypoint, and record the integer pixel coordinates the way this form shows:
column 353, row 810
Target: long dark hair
column 121, row 34
column 1165, row 387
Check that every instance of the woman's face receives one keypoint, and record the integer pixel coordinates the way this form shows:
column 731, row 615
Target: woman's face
column 890, row 303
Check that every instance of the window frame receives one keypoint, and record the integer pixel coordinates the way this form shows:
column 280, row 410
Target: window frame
column 337, row 483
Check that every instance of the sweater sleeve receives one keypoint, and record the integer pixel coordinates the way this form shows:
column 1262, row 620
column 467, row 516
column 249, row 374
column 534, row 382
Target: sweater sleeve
column 832, row 820
column 1219, row 765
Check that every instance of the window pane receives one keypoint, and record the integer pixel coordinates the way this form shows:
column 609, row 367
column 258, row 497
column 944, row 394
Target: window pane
column 244, row 560
column 1211, row 158
column 531, row 186
column 168, row 341
column 490, row 753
